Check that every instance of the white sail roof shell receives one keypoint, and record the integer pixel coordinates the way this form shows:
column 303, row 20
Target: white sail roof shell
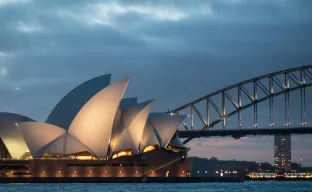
column 166, row 125
column 117, row 129
column 132, row 123
column 64, row 144
column 11, row 135
column 56, row 146
column 94, row 122
column 123, row 142
column 66, row 110
column 74, row 146
column 150, row 137
column 177, row 143
column 38, row 135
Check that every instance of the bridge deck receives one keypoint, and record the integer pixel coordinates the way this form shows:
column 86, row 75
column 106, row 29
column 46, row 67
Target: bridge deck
column 245, row 132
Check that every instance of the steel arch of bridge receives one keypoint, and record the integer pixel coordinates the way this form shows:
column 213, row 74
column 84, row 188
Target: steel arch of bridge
column 278, row 83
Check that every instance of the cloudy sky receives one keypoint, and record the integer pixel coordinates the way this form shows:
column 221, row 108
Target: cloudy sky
column 174, row 50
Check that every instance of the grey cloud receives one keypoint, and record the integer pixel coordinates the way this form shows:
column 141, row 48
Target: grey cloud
column 218, row 43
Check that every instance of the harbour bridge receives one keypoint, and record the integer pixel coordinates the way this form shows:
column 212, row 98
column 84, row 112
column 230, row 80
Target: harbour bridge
column 268, row 92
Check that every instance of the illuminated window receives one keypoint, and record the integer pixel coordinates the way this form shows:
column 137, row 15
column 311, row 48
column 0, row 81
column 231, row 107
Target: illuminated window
column 122, row 153
column 52, row 156
column 149, row 148
column 175, row 149
column 82, row 157
column 85, row 155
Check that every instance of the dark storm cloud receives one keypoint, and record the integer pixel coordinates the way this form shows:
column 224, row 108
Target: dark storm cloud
column 175, row 51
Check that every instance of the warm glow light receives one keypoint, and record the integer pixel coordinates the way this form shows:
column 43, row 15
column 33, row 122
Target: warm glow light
column 174, row 149
column 149, row 148
column 82, row 157
column 122, row 153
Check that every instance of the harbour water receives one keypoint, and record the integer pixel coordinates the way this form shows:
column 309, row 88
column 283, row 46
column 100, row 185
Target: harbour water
column 254, row 186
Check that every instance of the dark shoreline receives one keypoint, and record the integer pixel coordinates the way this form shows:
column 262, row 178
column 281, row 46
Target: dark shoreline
column 122, row 180
column 140, row 180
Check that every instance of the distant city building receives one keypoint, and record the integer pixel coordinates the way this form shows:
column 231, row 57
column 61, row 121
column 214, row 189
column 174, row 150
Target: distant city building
column 282, row 152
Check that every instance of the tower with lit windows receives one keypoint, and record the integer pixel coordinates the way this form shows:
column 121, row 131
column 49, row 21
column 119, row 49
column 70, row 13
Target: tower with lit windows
column 282, row 152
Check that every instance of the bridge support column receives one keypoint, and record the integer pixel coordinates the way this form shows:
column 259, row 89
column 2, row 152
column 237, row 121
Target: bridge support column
column 256, row 105
column 287, row 83
column 303, row 98
column 271, row 102
column 223, row 111
column 239, row 105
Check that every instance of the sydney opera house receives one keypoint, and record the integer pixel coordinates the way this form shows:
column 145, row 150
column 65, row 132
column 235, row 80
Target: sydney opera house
column 94, row 132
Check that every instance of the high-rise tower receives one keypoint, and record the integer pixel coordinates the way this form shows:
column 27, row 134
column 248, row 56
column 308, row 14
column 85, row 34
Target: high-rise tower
column 282, row 152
